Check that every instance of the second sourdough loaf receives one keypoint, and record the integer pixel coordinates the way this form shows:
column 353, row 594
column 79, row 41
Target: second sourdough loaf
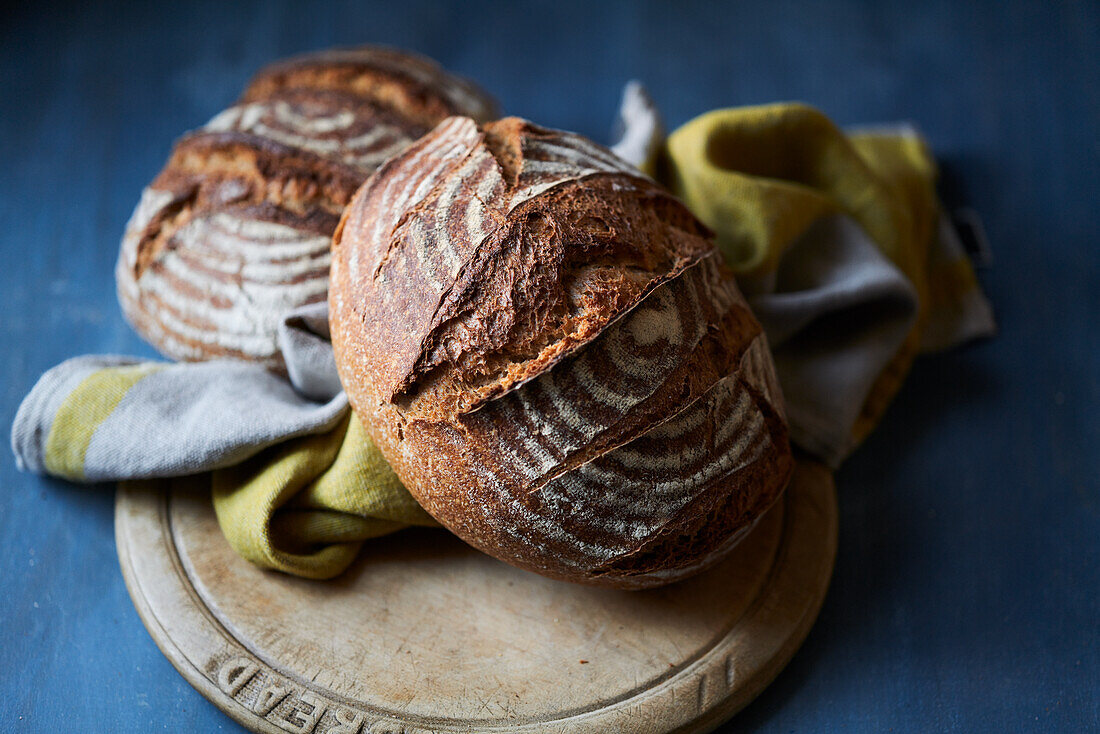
column 552, row 356
column 235, row 230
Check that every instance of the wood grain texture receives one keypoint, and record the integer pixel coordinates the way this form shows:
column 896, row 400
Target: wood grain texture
column 426, row 635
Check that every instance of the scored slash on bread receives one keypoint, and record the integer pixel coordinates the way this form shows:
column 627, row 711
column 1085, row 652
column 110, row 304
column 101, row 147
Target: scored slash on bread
column 501, row 263
column 235, row 230
column 550, row 353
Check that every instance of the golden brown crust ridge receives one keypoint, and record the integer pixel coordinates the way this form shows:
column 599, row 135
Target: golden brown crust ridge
column 529, row 259
column 413, row 86
column 552, row 357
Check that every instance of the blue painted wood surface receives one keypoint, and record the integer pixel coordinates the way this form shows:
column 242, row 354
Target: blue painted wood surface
column 967, row 590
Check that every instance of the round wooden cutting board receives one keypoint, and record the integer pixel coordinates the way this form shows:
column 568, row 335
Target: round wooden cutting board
column 425, row 634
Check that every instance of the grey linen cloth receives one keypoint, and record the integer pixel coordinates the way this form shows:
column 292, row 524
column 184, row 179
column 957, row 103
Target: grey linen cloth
column 189, row 418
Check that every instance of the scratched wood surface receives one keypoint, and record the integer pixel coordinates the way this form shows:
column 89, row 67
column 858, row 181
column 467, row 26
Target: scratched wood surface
column 425, row 634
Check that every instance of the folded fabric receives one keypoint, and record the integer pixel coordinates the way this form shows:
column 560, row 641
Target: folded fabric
column 839, row 244
column 841, row 249
column 297, row 483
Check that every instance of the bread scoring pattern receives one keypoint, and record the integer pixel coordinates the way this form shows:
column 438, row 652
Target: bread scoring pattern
column 550, row 353
column 329, row 124
column 235, row 230
column 493, row 279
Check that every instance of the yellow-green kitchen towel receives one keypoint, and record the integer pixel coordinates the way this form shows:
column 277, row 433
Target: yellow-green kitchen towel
column 839, row 243
column 840, row 248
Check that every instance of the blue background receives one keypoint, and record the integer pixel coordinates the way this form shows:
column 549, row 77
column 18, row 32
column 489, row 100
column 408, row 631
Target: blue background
column 967, row 589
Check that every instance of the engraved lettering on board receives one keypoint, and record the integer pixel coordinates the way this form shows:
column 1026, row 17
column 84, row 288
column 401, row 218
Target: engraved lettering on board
column 347, row 722
column 235, row 673
column 270, row 697
column 304, row 713
column 268, row 694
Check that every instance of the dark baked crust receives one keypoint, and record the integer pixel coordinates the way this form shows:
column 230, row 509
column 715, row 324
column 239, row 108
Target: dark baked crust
column 594, row 401
column 413, row 86
column 233, row 232
column 504, row 264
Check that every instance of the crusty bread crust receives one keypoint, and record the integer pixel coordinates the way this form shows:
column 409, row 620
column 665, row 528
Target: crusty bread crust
column 551, row 355
column 234, row 231
column 411, row 85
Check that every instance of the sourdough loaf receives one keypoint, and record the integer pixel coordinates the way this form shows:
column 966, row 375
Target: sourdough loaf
column 548, row 350
column 235, row 231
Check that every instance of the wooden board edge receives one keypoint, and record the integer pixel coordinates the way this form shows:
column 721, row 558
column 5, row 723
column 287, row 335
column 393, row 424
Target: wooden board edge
column 716, row 698
column 148, row 499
